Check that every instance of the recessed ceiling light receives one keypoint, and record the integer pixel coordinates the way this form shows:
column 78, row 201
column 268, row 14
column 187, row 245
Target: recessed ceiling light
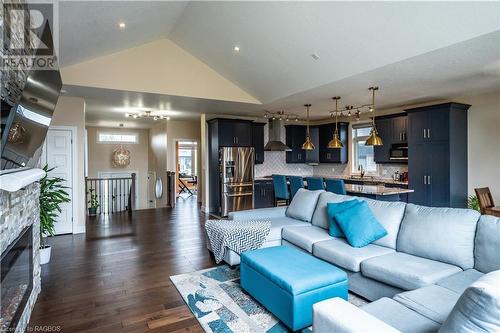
column 121, row 25
column 168, row 118
column 315, row 56
column 236, row 48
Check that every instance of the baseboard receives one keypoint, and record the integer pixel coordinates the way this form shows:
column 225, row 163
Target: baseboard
column 79, row 229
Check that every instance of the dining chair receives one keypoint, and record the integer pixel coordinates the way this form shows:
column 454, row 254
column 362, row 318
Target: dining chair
column 486, row 203
column 281, row 193
column 335, row 186
column 296, row 182
column 315, row 183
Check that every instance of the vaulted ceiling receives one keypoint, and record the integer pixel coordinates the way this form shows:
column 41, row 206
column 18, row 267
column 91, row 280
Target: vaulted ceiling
column 413, row 50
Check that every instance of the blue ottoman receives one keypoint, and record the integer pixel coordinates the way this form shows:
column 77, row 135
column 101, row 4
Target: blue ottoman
column 288, row 282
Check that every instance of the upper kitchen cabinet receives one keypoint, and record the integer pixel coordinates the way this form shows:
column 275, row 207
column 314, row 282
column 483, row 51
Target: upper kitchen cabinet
column 232, row 132
column 258, row 141
column 393, row 131
column 437, row 149
column 336, row 155
column 432, row 123
column 295, row 137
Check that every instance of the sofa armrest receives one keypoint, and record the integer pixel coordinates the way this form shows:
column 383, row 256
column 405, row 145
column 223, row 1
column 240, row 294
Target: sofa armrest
column 336, row 315
column 258, row 214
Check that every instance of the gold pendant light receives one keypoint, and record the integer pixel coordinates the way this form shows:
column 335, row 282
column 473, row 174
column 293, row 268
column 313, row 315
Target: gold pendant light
column 335, row 142
column 374, row 139
column 308, row 145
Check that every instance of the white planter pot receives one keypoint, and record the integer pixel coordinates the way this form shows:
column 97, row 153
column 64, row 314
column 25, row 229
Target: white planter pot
column 45, row 254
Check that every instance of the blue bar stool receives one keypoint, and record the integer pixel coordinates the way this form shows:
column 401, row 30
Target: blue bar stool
column 280, row 189
column 315, row 183
column 335, row 186
column 296, row 182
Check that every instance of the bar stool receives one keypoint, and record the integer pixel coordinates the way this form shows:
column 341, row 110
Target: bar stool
column 315, row 183
column 335, row 186
column 281, row 194
column 296, row 182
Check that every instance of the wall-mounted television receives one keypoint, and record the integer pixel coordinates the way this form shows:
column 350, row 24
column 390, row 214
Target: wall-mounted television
column 25, row 125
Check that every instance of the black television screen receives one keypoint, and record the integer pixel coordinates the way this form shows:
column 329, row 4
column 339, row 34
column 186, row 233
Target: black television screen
column 25, row 125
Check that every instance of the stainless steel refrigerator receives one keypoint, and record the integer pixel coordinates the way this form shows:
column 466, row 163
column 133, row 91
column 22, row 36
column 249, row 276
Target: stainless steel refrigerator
column 236, row 165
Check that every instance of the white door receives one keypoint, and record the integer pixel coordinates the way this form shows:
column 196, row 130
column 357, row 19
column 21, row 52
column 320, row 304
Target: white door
column 58, row 154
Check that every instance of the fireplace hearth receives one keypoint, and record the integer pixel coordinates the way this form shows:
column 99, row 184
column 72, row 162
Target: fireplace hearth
column 16, row 279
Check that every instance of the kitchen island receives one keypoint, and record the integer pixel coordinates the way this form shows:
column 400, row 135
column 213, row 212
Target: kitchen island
column 378, row 192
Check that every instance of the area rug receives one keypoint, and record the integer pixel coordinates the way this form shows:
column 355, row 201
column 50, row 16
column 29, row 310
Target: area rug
column 219, row 303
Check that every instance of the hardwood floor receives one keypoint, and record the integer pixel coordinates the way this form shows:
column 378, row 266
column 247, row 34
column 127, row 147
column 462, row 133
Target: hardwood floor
column 115, row 278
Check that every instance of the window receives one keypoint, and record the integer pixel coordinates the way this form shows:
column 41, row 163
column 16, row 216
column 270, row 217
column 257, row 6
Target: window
column 363, row 155
column 107, row 137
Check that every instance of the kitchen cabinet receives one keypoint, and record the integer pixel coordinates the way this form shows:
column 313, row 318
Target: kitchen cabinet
column 263, row 194
column 333, row 155
column 393, row 130
column 233, row 132
column 258, row 141
column 437, row 149
column 295, row 137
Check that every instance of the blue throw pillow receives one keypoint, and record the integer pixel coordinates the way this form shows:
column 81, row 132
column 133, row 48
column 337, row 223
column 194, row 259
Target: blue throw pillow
column 359, row 225
column 333, row 208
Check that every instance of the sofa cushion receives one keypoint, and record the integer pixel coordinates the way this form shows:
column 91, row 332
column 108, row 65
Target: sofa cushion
column 303, row 205
column 460, row 281
column 400, row 317
column 442, row 234
column 333, row 208
column 406, row 271
column 389, row 214
column 487, row 244
column 305, row 237
column 433, row 302
column 359, row 225
column 478, row 308
column 320, row 216
column 340, row 253
column 278, row 223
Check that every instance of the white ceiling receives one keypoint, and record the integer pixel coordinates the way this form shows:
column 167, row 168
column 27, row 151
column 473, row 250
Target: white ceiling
column 415, row 51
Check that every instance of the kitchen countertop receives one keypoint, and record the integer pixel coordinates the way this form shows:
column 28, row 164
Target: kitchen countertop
column 367, row 179
column 375, row 189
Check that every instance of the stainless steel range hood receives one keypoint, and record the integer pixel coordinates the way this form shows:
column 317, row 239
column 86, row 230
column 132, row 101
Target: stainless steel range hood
column 275, row 144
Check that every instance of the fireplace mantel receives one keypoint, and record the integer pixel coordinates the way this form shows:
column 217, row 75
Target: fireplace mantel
column 14, row 181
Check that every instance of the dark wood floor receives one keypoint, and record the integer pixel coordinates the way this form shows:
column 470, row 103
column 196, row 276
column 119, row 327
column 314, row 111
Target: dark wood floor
column 115, row 278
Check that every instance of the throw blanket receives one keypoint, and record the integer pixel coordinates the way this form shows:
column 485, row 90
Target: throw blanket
column 239, row 236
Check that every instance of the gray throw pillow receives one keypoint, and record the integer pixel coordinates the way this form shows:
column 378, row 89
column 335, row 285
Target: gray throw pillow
column 478, row 308
column 303, row 205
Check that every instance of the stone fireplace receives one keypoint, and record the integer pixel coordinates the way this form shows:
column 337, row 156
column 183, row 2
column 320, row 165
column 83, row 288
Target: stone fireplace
column 20, row 256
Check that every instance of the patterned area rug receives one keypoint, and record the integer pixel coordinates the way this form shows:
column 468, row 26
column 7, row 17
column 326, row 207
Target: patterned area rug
column 219, row 303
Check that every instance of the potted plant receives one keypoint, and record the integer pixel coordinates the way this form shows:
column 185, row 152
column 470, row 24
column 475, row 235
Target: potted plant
column 52, row 196
column 92, row 203
column 473, row 203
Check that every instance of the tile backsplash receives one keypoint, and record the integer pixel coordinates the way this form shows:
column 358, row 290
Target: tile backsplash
column 332, row 170
column 275, row 163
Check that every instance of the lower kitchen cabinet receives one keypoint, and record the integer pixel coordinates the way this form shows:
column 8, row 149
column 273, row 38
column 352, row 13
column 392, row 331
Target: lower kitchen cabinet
column 263, row 194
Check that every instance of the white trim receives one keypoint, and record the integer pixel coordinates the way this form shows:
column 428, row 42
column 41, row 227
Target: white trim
column 197, row 157
column 76, row 194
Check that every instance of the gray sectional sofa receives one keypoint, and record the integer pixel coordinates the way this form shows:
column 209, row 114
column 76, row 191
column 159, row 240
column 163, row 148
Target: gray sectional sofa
column 415, row 274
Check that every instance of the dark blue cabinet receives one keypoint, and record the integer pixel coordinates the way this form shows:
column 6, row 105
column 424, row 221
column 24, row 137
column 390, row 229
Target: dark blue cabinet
column 258, row 141
column 263, row 194
column 234, row 133
column 437, row 143
column 295, row 137
column 393, row 130
column 337, row 155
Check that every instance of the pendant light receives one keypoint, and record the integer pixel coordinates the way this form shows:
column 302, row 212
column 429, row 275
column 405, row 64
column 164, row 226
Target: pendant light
column 335, row 142
column 308, row 145
column 374, row 139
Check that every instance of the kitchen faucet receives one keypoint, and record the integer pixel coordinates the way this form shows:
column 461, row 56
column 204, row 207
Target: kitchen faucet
column 361, row 170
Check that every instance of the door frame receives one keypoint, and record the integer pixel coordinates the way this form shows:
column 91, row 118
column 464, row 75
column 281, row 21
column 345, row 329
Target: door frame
column 76, row 195
column 175, row 159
